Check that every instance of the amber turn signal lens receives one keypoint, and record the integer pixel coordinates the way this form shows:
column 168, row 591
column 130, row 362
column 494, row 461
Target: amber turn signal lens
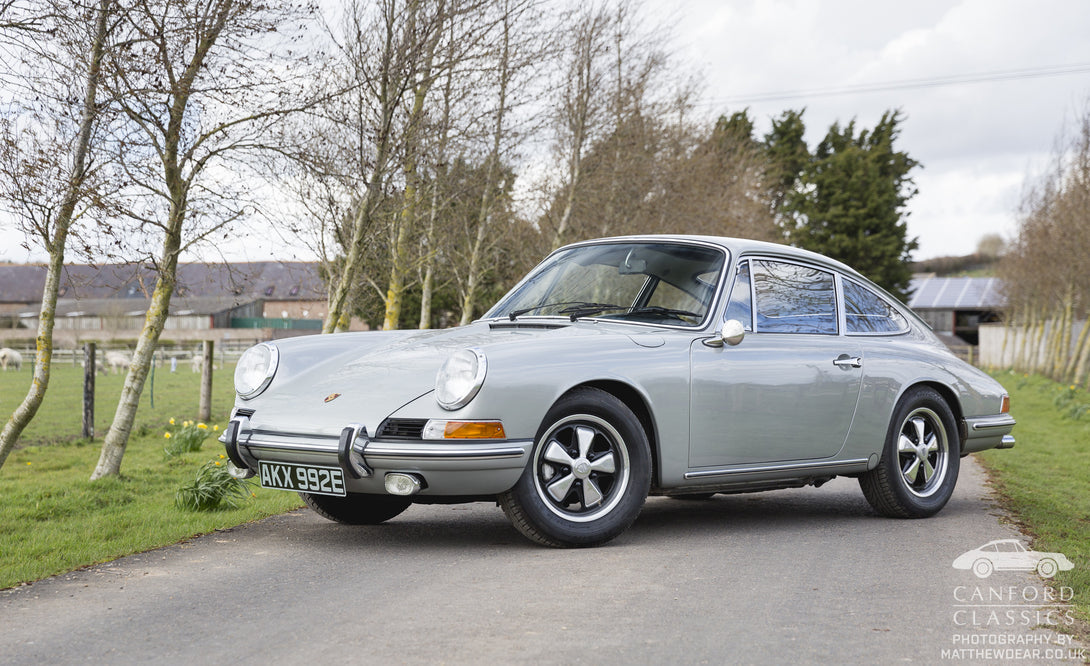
column 1006, row 405
column 474, row 430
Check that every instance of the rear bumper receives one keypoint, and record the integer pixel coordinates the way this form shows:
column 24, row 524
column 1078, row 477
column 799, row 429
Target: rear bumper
column 466, row 467
column 980, row 433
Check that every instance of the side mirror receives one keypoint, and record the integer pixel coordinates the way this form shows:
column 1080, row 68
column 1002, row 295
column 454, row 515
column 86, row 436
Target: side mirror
column 732, row 333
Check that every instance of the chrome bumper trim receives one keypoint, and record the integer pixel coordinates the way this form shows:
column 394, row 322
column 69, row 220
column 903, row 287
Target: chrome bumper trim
column 378, row 450
column 991, row 422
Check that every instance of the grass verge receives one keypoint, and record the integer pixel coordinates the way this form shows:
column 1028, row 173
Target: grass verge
column 1044, row 481
column 55, row 520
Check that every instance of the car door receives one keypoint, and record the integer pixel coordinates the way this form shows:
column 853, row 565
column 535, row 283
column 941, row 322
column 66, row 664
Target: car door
column 789, row 391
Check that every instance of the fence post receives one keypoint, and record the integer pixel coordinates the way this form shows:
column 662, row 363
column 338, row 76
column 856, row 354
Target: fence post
column 205, row 410
column 89, row 367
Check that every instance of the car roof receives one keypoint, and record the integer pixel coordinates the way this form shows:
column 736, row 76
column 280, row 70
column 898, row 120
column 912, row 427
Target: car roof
column 736, row 246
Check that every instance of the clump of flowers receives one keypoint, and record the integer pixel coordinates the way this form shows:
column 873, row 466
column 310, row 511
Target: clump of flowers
column 213, row 488
column 186, row 439
column 1069, row 401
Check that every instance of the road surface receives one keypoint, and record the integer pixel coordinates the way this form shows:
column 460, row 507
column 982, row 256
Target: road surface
column 803, row 576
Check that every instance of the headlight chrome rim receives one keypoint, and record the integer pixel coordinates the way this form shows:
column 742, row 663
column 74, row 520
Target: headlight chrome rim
column 248, row 387
column 456, row 387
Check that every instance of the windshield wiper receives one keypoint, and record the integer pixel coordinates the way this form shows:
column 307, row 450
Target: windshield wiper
column 588, row 309
column 655, row 309
column 572, row 306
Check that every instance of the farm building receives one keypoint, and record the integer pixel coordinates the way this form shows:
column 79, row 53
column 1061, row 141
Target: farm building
column 240, row 301
column 957, row 306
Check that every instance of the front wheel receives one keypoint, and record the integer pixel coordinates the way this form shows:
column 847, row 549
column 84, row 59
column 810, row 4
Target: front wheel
column 588, row 475
column 919, row 466
column 356, row 509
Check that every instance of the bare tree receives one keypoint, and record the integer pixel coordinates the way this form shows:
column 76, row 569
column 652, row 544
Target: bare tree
column 200, row 92
column 43, row 177
column 1045, row 267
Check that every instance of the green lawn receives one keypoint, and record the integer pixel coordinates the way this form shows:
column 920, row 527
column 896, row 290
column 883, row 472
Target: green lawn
column 1045, row 479
column 55, row 520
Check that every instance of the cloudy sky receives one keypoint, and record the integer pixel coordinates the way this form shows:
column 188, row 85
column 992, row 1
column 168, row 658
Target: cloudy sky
column 977, row 140
column 1022, row 68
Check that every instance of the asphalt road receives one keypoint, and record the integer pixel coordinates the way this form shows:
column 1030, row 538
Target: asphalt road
column 804, row 576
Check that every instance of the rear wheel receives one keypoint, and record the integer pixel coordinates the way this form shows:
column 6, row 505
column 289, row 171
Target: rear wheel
column 919, row 466
column 588, row 476
column 356, row 509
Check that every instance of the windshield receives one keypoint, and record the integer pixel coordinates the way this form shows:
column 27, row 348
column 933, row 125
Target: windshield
column 660, row 283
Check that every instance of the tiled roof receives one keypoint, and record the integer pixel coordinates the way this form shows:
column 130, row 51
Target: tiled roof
column 268, row 280
column 931, row 293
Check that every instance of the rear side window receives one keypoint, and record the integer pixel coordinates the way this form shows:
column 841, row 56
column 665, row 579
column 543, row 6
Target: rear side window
column 794, row 299
column 867, row 312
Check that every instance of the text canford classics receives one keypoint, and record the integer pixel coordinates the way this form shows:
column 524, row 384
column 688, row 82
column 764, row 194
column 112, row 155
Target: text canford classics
column 618, row 368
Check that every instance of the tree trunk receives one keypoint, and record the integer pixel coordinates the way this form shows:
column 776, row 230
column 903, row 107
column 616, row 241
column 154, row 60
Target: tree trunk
column 117, row 438
column 43, row 359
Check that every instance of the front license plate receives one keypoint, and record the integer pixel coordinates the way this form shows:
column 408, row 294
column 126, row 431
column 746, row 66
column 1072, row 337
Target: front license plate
column 302, row 478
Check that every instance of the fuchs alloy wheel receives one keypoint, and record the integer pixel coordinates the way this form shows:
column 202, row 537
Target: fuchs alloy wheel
column 588, row 475
column 919, row 466
column 356, row 509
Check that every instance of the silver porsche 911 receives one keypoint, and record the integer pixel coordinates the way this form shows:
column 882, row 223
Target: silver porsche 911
column 618, row 368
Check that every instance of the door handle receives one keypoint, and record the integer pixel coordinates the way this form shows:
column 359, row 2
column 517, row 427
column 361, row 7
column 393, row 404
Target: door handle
column 845, row 361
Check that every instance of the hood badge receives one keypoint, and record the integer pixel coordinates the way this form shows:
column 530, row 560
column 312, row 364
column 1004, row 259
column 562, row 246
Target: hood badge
column 332, row 396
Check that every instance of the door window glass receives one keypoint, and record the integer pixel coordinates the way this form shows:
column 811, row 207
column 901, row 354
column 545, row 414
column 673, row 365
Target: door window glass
column 794, row 299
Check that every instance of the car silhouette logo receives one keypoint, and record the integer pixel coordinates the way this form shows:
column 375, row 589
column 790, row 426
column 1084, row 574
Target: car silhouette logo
column 1011, row 555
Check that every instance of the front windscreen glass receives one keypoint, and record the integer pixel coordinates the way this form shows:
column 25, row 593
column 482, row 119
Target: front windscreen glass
column 659, row 283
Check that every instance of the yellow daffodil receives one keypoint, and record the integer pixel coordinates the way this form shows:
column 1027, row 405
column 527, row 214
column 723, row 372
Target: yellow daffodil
column 222, row 456
column 172, row 420
column 202, row 426
column 217, row 463
column 166, row 435
column 215, row 428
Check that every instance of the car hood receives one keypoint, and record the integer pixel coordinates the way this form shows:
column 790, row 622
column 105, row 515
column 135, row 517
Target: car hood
column 324, row 383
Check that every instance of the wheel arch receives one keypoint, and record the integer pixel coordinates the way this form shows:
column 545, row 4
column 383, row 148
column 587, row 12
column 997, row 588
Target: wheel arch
column 635, row 401
column 951, row 399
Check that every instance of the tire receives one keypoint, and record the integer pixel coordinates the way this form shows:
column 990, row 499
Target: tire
column 356, row 509
column 588, row 475
column 1047, row 568
column 919, row 466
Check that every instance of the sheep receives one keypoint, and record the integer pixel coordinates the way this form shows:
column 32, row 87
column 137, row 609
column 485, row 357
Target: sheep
column 117, row 361
column 10, row 357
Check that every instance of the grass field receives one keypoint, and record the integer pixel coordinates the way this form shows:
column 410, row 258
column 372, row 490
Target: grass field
column 55, row 520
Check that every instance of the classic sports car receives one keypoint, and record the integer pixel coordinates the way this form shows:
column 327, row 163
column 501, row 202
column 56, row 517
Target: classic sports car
column 1011, row 555
column 618, row 368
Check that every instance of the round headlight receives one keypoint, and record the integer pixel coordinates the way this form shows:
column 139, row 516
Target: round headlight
column 256, row 369
column 460, row 378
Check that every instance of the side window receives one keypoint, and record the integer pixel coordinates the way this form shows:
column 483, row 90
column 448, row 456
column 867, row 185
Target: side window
column 867, row 312
column 794, row 299
column 740, row 306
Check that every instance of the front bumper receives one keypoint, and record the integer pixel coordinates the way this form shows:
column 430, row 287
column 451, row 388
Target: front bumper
column 449, row 469
column 987, row 432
